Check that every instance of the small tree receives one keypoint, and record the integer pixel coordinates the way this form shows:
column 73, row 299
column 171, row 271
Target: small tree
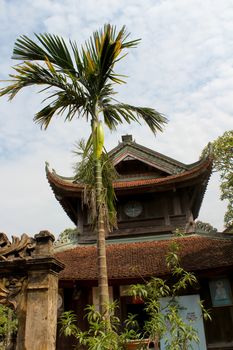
column 8, row 326
column 99, row 335
column 222, row 152
column 160, row 316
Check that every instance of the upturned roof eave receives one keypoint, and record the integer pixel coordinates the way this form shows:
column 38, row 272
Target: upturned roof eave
column 68, row 184
column 61, row 182
column 63, row 188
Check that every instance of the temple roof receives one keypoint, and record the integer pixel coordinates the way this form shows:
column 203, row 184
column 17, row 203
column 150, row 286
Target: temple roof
column 129, row 149
column 67, row 183
column 145, row 259
column 140, row 169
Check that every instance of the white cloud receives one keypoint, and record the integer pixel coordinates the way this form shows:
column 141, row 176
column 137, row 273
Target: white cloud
column 182, row 67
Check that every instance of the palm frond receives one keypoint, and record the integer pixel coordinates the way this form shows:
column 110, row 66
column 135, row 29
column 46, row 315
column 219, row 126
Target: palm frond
column 100, row 54
column 28, row 74
column 115, row 114
column 71, row 104
column 69, row 96
column 52, row 47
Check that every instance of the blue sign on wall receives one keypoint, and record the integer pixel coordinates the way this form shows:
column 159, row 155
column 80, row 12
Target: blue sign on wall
column 190, row 312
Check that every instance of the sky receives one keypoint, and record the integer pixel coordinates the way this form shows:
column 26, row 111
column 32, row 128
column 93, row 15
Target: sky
column 182, row 67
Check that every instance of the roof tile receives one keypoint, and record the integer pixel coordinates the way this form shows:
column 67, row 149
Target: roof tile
column 131, row 260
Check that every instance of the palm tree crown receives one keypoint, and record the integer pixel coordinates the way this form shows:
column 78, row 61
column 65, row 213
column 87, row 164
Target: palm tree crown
column 83, row 79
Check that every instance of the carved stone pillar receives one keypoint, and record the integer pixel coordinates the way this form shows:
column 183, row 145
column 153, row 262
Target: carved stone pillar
column 29, row 283
column 42, row 292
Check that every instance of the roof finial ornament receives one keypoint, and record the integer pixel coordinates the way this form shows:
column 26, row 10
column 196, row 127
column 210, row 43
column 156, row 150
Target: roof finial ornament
column 127, row 138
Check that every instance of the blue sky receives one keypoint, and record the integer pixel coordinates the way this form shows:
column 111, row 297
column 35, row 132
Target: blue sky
column 183, row 68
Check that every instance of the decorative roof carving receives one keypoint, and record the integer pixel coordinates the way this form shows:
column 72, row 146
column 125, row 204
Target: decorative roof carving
column 127, row 138
column 67, row 237
column 18, row 248
column 204, row 227
column 25, row 247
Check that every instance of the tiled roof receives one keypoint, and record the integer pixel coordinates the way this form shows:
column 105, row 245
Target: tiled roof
column 68, row 184
column 132, row 260
column 147, row 155
column 201, row 168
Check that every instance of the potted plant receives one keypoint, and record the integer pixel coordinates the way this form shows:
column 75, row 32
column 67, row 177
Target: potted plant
column 132, row 335
column 140, row 344
column 101, row 334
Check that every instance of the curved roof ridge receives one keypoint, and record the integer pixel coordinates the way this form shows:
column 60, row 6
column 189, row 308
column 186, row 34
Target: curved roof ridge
column 53, row 171
column 180, row 176
column 53, row 177
column 147, row 150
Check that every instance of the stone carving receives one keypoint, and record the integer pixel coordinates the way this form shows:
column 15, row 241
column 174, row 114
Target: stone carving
column 29, row 285
column 204, row 227
column 10, row 289
column 18, row 248
column 68, row 236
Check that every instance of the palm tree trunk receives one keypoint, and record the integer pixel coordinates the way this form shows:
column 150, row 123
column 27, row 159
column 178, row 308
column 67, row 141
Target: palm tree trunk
column 101, row 246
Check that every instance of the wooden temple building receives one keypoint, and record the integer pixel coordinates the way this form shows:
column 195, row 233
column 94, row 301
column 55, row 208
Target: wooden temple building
column 155, row 196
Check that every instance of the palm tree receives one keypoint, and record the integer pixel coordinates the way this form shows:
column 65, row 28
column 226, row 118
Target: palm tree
column 81, row 84
column 83, row 173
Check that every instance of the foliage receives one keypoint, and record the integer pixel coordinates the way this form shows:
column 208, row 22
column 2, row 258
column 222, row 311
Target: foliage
column 84, row 174
column 160, row 316
column 131, row 330
column 222, row 152
column 99, row 335
column 181, row 333
column 8, row 325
